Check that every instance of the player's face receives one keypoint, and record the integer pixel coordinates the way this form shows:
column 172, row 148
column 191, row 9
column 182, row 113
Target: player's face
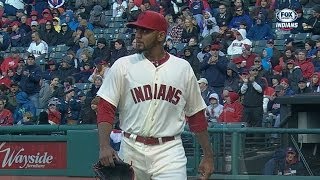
column 145, row 39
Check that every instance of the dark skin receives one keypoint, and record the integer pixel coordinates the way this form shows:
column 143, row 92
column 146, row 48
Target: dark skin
column 150, row 43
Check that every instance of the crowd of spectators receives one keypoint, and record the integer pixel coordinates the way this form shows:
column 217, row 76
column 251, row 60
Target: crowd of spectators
column 216, row 37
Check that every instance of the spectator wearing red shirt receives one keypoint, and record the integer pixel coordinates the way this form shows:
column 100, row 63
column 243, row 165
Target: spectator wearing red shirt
column 6, row 117
column 305, row 64
column 11, row 62
column 46, row 16
column 232, row 109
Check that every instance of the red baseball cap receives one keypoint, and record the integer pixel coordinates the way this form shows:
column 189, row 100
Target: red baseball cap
column 285, row 80
column 237, row 60
column 15, row 23
column 150, row 20
column 277, row 68
column 215, row 47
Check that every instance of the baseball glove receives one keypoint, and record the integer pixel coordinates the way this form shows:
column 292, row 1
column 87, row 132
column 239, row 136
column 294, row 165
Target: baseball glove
column 121, row 171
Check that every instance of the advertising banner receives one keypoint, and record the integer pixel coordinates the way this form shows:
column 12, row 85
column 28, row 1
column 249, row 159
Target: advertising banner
column 33, row 155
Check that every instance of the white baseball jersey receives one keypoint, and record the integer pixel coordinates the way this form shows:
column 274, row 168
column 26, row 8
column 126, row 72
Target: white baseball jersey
column 152, row 101
column 38, row 49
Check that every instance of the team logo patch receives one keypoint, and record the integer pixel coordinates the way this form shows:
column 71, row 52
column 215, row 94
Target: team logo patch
column 286, row 18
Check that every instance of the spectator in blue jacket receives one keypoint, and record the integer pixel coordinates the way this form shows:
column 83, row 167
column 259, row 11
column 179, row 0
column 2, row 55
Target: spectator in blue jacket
column 260, row 31
column 68, row 17
column 238, row 18
column 18, row 35
column 69, row 107
column 310, row 48
column 30, row 80
column 24, row 106
column 214, row 69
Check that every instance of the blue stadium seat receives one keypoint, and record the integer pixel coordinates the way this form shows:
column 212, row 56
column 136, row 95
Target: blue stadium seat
column 257, row 49
column 301, row 36
column 57, row 56
column 108, row 13
column 180, row 46
column 98, row 30
column 279, row 42
column 20, row 49
column 117, row 19
column 51, row 49
column 83, row 86
column 260, row 43
column 62, row 48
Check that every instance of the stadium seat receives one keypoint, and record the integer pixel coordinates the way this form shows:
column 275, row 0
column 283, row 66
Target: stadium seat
column 20, row 49
column 109, row 36
column 117, row 19
column 280, row 48
column 62, row 48
column 180, row 46
column 51, row 49
column 260, row 43
column 108, row 13
column 56, row 56
column 279, row 42
column 283, row 36
column 98, row 31
column 82, row 86
column 301, row 36
column 257, row 49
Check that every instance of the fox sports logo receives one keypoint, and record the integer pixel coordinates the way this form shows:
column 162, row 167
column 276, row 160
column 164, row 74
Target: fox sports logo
column 286, row 18
column 287, row 15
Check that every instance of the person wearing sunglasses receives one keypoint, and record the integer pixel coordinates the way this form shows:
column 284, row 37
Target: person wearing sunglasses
column 252, row 90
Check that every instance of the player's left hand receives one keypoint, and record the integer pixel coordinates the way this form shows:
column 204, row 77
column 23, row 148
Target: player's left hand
column 206, row 167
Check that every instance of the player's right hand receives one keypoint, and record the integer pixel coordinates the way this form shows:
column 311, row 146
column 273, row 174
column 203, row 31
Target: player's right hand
column 106, row 156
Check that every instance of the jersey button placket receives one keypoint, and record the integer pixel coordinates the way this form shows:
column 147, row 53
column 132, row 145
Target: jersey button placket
column 155, row 100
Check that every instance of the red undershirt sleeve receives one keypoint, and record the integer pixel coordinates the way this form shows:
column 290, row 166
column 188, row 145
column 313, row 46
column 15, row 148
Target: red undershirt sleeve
column 198, row 122
column 106, row 112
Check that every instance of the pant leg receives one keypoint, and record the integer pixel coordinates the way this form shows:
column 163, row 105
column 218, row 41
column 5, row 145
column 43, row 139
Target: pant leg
column 247, row 117
column 35, row 100
column 276, row 125
column 168, row 161
column 257, row 114
column 132, row 153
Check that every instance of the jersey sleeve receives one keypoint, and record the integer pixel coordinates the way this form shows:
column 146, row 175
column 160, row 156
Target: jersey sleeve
column 194, row 100
column 112, row 85
column 45, row 48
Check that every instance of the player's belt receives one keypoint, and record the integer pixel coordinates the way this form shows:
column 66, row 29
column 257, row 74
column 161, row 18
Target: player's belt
column 149, row 140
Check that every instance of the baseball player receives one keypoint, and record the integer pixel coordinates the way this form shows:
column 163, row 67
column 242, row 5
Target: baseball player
column 154, row 91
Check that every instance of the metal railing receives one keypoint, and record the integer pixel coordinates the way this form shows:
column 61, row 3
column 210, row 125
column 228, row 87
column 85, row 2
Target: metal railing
column 235, row 150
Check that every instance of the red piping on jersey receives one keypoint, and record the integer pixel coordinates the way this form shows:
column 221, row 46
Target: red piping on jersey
column 198, row 122
column 161, row 61
column 106, row 112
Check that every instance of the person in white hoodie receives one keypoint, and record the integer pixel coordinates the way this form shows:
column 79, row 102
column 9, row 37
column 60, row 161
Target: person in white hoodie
column 214, row 110
column 235, row 47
